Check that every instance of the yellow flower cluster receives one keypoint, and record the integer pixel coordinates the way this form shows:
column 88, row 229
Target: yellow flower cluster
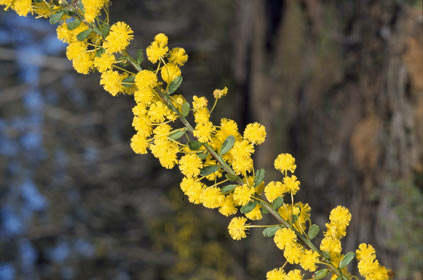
column 216, row 160
column 369, row 266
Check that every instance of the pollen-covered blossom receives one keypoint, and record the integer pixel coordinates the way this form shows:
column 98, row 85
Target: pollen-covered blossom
column 275, row 274
column 170, row 72
column 104, row 62
column 22, row 7
column 199, row 102
column 294, row 275
column 291, row 184
column 69, row 36
column 340, row 216
column 192, row 189
column 237, row 228
column 368, row 265
column 331, row 245
column 228, row 207
column 92, row 8
column 145, row 79
column 255, row 214
column 285, row 162
column 284, row 237
column 219, row 93
column 212, row 197
column 112, row 82
column 293, row 253
column 139, row 143
column 255, row 133
column 119, row 37
column 6, row 3
column 178, row 56
column 190, row 165
column 309, row 260
column 75, row 49
column 83, row 63
column 273, row 190
column 242, row 194
column 158, row 48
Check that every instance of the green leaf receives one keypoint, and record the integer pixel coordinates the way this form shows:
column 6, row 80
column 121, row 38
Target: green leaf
column 259, row 177
column 203, row 155
column 130, row 79
column 97, row 30
column 270, row 231
column 278, row 202
column 232, row 178
column 174, row 85
column 228, row 188
column 248, row 208
column 344, row 277
column 185, row 109
column 208, row 170
column 346, row 259
column 313, row 231
column 177, row 134
column 320, row 274
column 264, row 211
column 326, row 255
column 73, row 24
column 84, row 34
column 194, row 145
column 140, row 56
column 339, row 278
column 56, row 17
column 227, row 145
column 294, row 218
column 105, row 30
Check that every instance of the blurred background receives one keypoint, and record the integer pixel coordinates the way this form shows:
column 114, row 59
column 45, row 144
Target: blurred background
column 339, row 84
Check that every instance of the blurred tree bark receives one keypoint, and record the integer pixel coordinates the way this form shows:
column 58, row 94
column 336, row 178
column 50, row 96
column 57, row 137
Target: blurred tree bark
column 339, row 84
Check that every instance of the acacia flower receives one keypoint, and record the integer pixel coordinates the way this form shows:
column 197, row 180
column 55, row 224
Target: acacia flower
column 190, row 165
column 119, row 37
column 242, row 194
column 284, row 237
column 237, row 228
column 285, row 162
column 255, row 133
column 273, row 190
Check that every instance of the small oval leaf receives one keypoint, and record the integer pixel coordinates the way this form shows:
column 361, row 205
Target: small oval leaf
column 227, row 145
column 320, row 274
column 174, row 85
column 208, row 170
column 259, row 178
column 56, row 17
column 177, row 134
column 228, row 188
column 313, row 231
column 232, row 178
column 194, row 145
column 203, row 155
column 185, row 109
column 346, row 259
column 277, row 203
column 270, row 231
column 129, row 80
column 84, row 34
column 248, row 208
column 105, row 31
column 73, row 24
column 140, row 56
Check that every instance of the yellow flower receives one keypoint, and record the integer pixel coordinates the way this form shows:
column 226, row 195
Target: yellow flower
column 242, row 194
column 158, row 111
column 228, row 208
column 7, row 3
column 219, row 93
column 284, row 237
column 119, row 37
column 22, row 7
column 199, row 103
column 190, row 165
column 75, row 49
column 309, row 260
column 194, row 192
column 293, row 253
column 170, row 72
column 92, row 9
column 255, row 133
column 212, row 197
column 275, row 274
column 294, row 275
column 139, row 143
column 158, row 48
column 145, row 79
column 285, row 162
column 178, row 56
column 144, row 96
column 203, row 131
column 142, row 124
column 83, row 63
column 237, row 228
column 255, row 214
column 112, row 82
column 242, row 164
column 104, row 62
column 273, row 190
column 291, row 184
column 331, row 245
column 340, row 216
